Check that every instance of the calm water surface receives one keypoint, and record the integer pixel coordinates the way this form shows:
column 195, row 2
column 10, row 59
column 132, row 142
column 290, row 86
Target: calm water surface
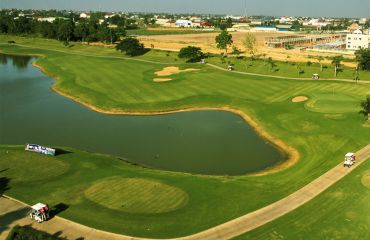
column 206, row 142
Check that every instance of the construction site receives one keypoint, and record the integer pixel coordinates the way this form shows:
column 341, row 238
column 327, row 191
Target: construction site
column 328, row 40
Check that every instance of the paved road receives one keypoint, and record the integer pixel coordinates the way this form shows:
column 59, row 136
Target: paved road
column 14, row 212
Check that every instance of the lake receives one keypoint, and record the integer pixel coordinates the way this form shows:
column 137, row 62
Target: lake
column 202, row 142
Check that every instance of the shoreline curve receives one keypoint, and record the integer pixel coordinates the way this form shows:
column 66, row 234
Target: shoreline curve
column 292, row 154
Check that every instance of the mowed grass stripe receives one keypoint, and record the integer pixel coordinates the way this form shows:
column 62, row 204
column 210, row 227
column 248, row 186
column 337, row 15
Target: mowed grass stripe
column 135, row 195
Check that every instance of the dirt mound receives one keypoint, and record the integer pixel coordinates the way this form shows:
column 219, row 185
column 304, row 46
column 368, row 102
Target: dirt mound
column 299, row 99
column 167, row 71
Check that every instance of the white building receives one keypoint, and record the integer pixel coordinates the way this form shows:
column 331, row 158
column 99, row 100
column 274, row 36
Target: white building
column 184, row 23
column 46, row 19
column 357, row 40
column 84, row 15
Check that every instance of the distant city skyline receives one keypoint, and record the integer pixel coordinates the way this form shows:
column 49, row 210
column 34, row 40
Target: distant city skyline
column 314, row 8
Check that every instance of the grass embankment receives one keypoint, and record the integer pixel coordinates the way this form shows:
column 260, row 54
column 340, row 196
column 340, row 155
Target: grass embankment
column 321, row 129
column 341, row 212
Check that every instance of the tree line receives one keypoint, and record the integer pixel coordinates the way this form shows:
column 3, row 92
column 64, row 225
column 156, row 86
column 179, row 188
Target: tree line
column 66, row 27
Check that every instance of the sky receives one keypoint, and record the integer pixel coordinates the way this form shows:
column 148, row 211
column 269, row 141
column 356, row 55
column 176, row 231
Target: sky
column 314, row 8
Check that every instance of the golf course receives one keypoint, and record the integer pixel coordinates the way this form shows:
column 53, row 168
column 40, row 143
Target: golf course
column 312, row 123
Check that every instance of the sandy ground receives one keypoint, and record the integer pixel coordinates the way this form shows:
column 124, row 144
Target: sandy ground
column 299, row 99
column 162, row 79
column 206, row 41
column 167, row 71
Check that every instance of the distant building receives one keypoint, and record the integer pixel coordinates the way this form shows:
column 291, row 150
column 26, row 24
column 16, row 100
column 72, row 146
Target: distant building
column 84, row 15
column 239, row 27
column 46, row 19
column 353, row 27
column 357, row 40
column 264, row 29
column 362, row 21
column 284, row 27
column 184, row 23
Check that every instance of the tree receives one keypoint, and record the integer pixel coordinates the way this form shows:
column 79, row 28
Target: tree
column 223, row 40
column 65, row 30
column 320, row 59
column 336, row 62
column 365, row 105
column 81, row 30
column 249, row 43
column 363, row 59
column 193, row 54
column 271, row 63
column 131, row 47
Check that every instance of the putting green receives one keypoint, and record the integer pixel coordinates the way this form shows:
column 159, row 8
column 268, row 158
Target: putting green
column 136, row 195
column 333, row 103
column 31, row 166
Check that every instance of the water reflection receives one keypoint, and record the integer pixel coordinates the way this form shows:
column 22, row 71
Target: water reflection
column 21, row 62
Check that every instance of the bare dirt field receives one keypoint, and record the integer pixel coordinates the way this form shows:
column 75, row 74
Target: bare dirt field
column 206, row 41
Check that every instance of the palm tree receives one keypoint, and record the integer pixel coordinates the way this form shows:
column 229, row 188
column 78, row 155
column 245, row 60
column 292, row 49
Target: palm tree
column 336, row 62
column 320, row 59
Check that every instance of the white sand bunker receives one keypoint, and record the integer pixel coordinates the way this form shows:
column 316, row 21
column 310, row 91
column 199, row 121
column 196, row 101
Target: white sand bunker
column 299, row 99
column 167, row 71
column 162, row 79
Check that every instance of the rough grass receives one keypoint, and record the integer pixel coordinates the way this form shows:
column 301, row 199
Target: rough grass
column 135, row 195
column 33, row 167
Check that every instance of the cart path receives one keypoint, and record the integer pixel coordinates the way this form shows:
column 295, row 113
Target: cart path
column 14, row 212
column 288, row 78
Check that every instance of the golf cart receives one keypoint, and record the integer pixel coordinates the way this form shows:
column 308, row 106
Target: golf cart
column 315, row 76
column 39, row 212
column 230, row 68
column 349, row 159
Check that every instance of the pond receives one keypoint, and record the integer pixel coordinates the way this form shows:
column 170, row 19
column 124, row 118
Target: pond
column 202, row 142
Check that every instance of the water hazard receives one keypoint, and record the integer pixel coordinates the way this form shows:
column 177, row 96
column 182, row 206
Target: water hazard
column 204, row 142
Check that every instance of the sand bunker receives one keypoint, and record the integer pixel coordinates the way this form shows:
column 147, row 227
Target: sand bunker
column 162, row 79
column 299, row 99
column 167, row 71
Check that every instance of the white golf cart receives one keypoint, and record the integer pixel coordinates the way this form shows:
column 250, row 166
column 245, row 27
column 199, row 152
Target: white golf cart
column 39, row 212
column 349, row 159
column 315, row 76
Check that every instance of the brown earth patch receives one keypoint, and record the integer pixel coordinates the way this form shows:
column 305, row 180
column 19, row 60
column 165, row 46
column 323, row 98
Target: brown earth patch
column 167, row 71
column 299, row 99
column 162, row 79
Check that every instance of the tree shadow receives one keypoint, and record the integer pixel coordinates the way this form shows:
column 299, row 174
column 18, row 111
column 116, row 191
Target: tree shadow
column 29, row 232
column 4, row 182
column 55, row 210
column 4, row 170
column 7, row 219
column 59, row 151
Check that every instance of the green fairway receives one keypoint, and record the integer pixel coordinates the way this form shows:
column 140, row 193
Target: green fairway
column 322, row 130
column 341, row 212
